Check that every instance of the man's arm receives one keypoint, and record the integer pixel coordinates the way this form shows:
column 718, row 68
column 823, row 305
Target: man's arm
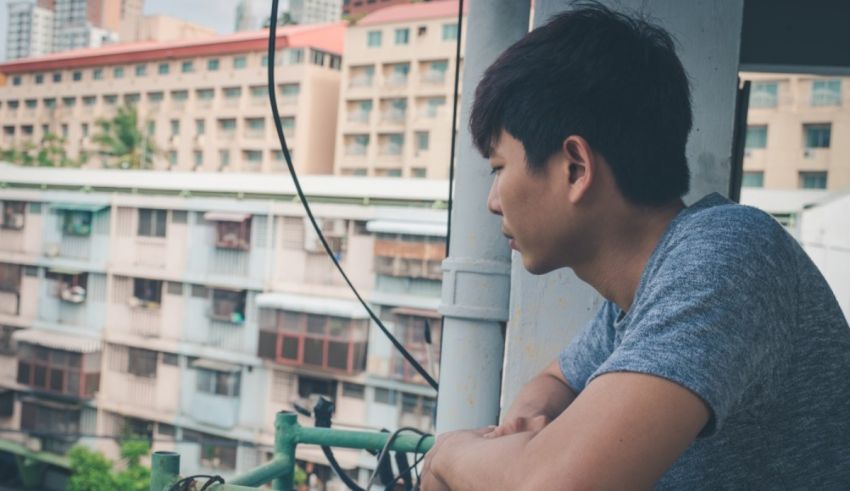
column 622, row 432
column 541, row 400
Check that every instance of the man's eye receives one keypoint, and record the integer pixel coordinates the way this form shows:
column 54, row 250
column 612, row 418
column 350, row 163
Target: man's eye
column 494, row 170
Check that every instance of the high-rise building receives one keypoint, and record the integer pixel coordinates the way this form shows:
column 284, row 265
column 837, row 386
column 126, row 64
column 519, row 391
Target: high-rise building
column 315, row 11
column 245, row 18
column 204, row 102
column 796, row 132
column 85, row 23
column 395, row 110
column 29, row 30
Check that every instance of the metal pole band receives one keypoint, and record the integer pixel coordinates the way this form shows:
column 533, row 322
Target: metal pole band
column 476, row 289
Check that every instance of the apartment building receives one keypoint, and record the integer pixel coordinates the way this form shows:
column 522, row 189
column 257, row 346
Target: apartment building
column 396, row 97
column 315, row 11
column 29, row 30
column 204, row 102
column 193, row 311
column 796, row 132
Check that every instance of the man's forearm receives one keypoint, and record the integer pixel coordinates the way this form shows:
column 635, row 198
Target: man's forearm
column 546, row 394
column 485, row 464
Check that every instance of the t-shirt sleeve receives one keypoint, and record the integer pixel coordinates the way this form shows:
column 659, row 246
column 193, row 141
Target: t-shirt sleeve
column 712, row 310
column 589, row 348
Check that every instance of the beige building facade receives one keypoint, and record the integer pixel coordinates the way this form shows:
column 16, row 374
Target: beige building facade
column 797, row 132
column 396, row 96
column 204, row 102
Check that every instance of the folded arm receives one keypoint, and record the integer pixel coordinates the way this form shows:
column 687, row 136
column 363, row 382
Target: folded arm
column 622, row 432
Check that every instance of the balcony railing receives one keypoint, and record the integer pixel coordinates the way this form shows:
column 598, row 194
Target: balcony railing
column 280, row 471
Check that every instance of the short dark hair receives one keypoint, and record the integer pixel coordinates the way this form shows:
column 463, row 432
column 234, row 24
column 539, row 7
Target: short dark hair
column 613, row 79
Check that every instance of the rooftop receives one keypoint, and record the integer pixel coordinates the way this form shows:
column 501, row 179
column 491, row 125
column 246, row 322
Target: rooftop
column 411, row 12
column 326, row 37
column 274, row 186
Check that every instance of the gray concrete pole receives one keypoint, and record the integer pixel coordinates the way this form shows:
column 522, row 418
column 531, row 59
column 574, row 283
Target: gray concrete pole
column 476, row 279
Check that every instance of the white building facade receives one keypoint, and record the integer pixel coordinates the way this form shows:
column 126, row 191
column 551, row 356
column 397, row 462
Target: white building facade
column 29, row 31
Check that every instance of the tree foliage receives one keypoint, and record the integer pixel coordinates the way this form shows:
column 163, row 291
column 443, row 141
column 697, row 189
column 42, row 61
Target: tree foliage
column 123, row 141
column 49, row 152
column 91, row 471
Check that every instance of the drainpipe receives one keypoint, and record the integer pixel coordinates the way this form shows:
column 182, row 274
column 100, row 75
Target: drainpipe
column 476, row 275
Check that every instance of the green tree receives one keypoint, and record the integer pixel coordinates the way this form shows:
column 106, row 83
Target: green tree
column 50, row 152
column 91, row 471
column 123, row 140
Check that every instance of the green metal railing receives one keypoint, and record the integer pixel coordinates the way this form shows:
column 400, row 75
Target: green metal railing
column 280, row 471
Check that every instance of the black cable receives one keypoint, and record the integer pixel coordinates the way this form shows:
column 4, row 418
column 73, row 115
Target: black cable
column 279, row 128
column 387, row 445
column 183, row 484
column 454, row 125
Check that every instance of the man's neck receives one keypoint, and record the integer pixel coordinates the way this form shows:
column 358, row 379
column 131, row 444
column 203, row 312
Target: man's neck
column 631, row 237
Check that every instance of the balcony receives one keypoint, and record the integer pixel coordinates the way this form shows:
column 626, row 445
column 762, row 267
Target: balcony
column 361, row 81
column 10, row 302
column 58, row 363
column 393, row 117
column 358, row 117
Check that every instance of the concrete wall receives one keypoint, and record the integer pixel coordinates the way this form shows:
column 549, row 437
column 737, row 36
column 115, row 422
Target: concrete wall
column 547, row 311
column 825, row 236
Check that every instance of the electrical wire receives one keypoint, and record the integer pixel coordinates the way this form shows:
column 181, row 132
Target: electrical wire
column 454, row 125
column 279, row 128
column 386, row 448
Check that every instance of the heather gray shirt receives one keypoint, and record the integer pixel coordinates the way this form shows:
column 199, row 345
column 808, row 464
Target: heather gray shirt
column 730, row 307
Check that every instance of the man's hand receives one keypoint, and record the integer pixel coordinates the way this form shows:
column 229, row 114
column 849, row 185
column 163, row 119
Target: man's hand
column 440, row 457
column 519, row 424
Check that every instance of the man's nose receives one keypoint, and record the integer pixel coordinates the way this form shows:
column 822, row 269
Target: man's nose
column 493, row 203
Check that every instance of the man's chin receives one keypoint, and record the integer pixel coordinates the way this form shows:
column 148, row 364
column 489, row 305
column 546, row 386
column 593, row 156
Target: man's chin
column 534, row 267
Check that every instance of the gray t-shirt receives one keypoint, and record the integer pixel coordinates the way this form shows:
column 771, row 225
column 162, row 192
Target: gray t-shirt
column 731, row 307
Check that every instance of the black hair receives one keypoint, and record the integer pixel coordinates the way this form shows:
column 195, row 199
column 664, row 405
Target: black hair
column 611, row 78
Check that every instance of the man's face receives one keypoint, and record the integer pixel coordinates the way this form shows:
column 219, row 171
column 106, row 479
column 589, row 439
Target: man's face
column 533, row 205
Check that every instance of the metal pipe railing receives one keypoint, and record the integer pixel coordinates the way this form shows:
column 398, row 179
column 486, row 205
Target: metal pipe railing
column 280, row 471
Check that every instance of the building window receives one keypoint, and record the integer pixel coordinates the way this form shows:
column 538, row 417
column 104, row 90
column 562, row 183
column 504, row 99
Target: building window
column 118, row 72
column 398, row 74
column 357, row 145
column 97, row 74
column 227, row 124
column 212, row 64
column 436, row 71
column 373, row 39
column 57, row 77
column 336, row 62
column 50, row 102
column 89, row 100
column 172, row 158
column 450, row 32
column 756, row 137
column 813, row 180
column 764, row 94
column 187, row 67
column 69, row 101
column 175, row 127
column 229, row 305
column 14, row 214
column 31, row 103
column 402, row 36
column 110, row 99
column 296, row 56
column 393, row 144
column 232, row 92
column 216, row 452
column 59, row 371
column 77, row 76
column 200, row 127
column 354, row 391
column 84, row 129
column 234, row 234
column 76, row 222
column 239, row 62
column 146, row 293
column 152, row 222
column 10, row 278
column 817, row 135
column 163, row 68
column 385, row 396
column 223, row 158
column 317, row 57
column 16, row 80
column 141, row 362
column 197, row 158
column 39, row 79
column 422, row 141
column 155, row 97
column 218, row 383
column 141, row 70
column 826, row 92
column 205, row 94
column 753, row 179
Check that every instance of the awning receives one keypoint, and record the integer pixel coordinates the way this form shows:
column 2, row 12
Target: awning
column 348, row 309
column 59, row 270
column 218, row 366
column 430, row 229
column 53, row 404
column 57, row 340
column 431, row 314
column 225, row 216
column 94, row 208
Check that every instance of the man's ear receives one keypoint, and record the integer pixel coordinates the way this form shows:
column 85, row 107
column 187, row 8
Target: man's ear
column 581, row 166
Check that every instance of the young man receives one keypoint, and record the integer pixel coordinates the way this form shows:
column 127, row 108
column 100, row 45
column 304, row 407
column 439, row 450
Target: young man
column 720, row 359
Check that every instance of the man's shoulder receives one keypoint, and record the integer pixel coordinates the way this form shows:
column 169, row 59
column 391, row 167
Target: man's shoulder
column 715, row 222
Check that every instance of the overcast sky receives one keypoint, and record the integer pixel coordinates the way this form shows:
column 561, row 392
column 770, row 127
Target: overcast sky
column 217, row 14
